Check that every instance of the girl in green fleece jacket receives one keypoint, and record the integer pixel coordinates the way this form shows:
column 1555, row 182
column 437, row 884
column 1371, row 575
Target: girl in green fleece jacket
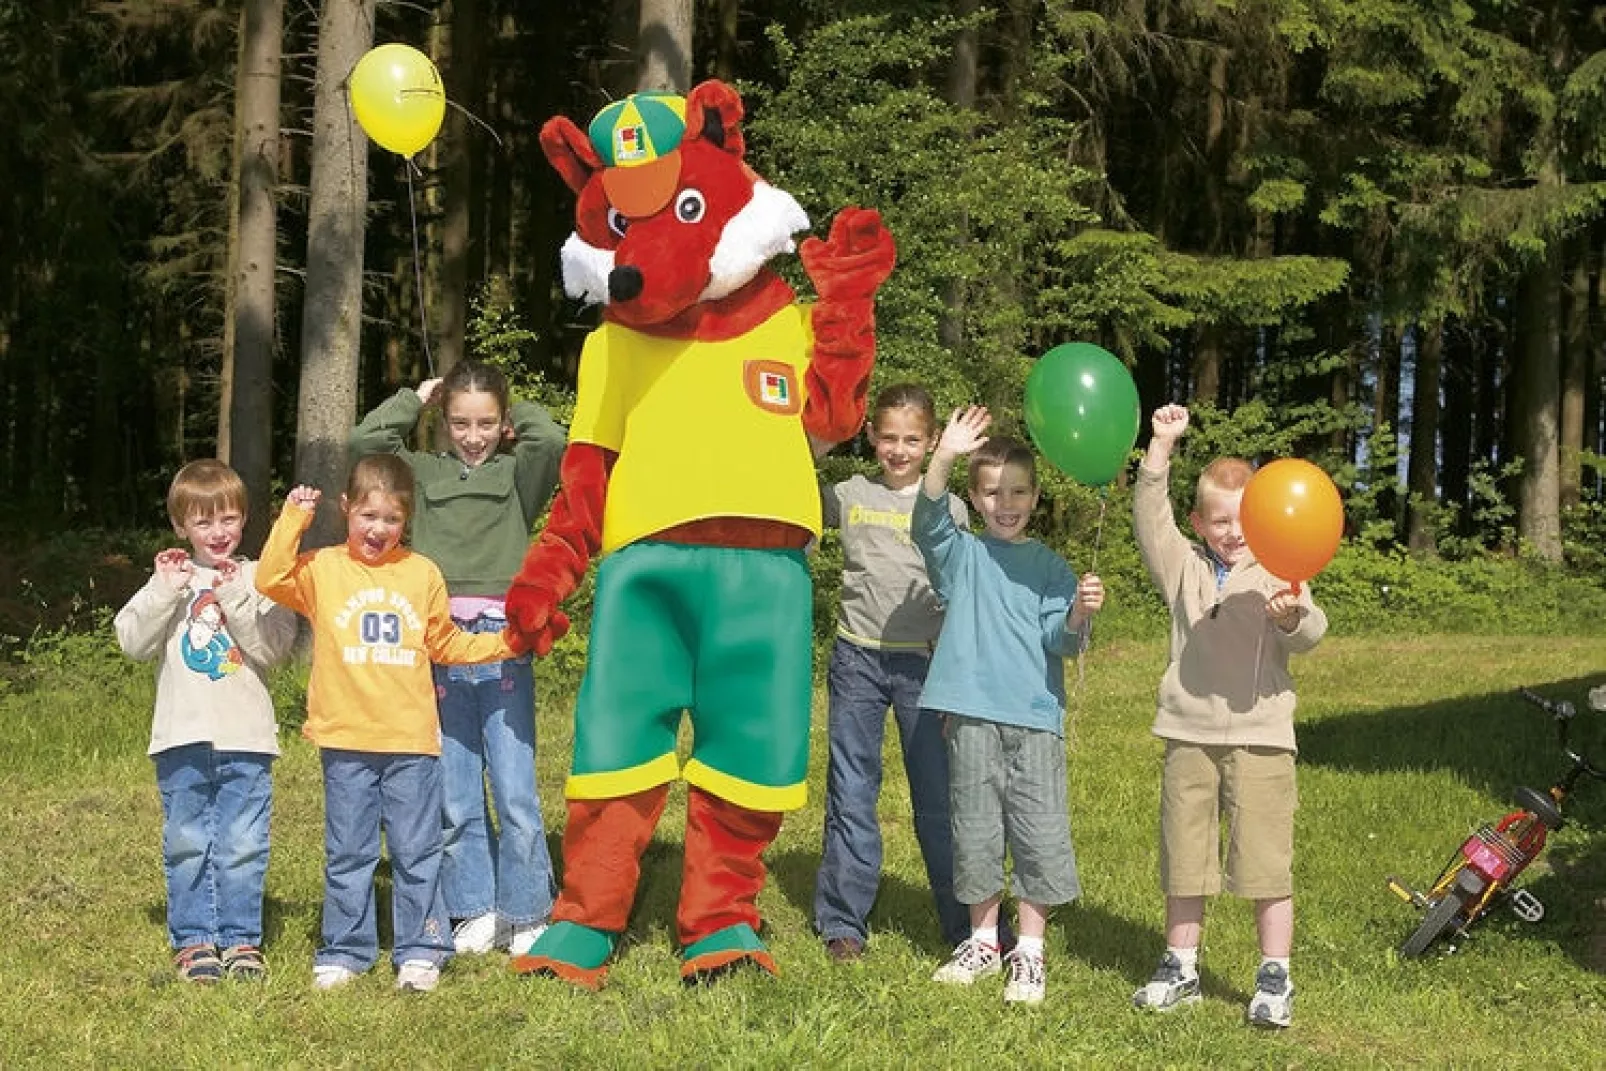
column 475, row 507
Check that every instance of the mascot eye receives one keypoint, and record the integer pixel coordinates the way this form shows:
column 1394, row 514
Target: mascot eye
column 617, row 223
column 689, row 206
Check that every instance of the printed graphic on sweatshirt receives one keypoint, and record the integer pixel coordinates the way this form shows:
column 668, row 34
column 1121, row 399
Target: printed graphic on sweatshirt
column 378, row 620
column 206, row 644
column 881, row 518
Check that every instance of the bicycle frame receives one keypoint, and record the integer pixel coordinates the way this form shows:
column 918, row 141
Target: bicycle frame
column 1490, row 860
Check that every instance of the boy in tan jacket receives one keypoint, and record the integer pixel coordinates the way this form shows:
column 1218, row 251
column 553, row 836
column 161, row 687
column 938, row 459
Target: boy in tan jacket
column 1226, row 714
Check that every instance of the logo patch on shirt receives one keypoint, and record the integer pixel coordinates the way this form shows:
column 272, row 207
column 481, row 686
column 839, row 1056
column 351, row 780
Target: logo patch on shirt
column 773, row 386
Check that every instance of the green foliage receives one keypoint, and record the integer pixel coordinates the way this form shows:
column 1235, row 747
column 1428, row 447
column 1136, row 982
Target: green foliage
column 497, row 334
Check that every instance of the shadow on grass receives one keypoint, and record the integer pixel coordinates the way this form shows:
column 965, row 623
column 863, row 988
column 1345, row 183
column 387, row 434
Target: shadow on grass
column 901, row 906
column 1493, row 742
column 277, row 914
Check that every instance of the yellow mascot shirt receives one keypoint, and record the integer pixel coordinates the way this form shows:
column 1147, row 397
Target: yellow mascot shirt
column 702, row 429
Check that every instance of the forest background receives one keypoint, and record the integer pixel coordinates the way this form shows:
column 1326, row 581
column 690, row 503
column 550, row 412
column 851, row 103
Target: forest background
column 1364, row 232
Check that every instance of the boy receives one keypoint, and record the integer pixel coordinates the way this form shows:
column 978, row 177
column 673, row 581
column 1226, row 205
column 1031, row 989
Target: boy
column 213, row 735
column 1226, row 713
column 1015, row 611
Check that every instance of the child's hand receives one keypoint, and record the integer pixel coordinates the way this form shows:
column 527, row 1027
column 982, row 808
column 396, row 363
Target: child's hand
column 1089, row 594
column 427, row 390
column 303, row 497
column 175, row 568
column 965, row 431
column 228, row 571
column 1284, row 610
column 1169, row 422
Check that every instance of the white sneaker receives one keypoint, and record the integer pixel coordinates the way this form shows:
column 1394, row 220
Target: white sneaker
column 1170, row 987
column 523, row 937
column 331, row 976
column 970, row 961
column 1273, row 1002
column 476, row 935
column 418, row 976
column 1028, row 981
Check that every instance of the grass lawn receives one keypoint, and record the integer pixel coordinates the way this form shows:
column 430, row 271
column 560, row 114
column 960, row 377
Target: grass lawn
column 1406, row 744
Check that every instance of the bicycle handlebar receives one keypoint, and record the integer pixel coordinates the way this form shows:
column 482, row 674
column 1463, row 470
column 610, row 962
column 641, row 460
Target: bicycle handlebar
column 1563, row 712
column 1560, row 709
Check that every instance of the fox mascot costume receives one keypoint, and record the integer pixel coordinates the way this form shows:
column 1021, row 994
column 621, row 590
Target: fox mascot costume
column 704, row 397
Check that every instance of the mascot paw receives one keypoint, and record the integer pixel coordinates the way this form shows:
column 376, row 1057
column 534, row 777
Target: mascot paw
column 533, row 617
column 855, row 260
column 713, row 957
column 567, row 950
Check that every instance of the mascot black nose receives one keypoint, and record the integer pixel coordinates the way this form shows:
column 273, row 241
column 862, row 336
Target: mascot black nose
column 624, row 283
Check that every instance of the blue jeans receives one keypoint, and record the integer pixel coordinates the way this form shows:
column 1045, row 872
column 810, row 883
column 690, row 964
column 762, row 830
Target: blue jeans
column 362, row 791
column 488, row 728
column 863, row 683
column 216, row 807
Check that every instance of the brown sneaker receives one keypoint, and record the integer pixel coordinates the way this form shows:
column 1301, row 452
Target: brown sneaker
column 844, row 949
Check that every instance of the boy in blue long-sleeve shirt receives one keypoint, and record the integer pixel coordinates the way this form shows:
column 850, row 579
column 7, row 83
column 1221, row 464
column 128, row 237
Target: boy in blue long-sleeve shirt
column 1015, row 611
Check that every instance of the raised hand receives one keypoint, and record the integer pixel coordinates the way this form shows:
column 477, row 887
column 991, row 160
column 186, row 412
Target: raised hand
column 228, row 571
column 1169, row 422
column 855, row 260
column 1089, row 594
column 174, row 568
column 427, row 390
column 303, row 497
column 966, row 431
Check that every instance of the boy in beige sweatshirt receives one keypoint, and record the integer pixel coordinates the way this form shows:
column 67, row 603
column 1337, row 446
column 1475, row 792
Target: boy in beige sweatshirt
column 1226, row 714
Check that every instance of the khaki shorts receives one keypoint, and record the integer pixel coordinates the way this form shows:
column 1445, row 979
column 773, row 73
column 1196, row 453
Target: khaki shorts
column 1254, row 788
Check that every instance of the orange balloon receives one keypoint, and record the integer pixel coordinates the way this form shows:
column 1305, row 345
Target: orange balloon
column 1292, row 518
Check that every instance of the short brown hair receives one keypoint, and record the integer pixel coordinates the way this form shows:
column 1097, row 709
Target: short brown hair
column 905, row 396
column 1002, row 450
column 1223, row 474
column 385, row 473
column 204, row 487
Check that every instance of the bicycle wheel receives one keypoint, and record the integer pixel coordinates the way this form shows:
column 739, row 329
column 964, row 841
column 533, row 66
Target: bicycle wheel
column 1441, row 916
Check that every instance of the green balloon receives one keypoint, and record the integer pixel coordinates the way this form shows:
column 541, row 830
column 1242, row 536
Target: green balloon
column 1082, row 411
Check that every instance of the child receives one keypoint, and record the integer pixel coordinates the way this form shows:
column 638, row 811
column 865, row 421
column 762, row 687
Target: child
column 213, row 737
column 1226, row 714
column 1014, row 612
column 888, row 624
column 379, row 615
column 473, row 521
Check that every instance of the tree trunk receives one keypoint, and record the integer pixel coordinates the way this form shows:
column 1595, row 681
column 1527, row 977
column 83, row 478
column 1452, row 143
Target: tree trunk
column 962, row 95
column 1424, row 467
column 728, row 38
column 1458, row 372
column 1574, row 373
column 250, row 397
column 331, row 322
column 463, row 56
column 665, row 45
column 1207, row 364
column 1536, row 407
column 1386, row 417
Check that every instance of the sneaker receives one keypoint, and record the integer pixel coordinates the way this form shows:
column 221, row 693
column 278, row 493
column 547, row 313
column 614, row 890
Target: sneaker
column 418, row 976
column 198, row 964
column 244, row 963
column 332, row 976
column 1027, row 979
column 1168, row 987
column 970, row 961
column 844, row 949
column 523, row 937
column 475, row 935
column 1273, row 1002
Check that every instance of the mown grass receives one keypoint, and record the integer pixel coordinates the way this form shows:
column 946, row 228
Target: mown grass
column 1406, row 745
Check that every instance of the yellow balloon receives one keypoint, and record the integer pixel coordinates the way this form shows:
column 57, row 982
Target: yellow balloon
column 398, row 98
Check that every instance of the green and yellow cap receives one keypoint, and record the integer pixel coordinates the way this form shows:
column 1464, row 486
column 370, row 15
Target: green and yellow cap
column 638, row 139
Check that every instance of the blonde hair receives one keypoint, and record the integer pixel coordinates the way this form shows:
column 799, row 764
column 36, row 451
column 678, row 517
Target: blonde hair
column 1223, row 474
column 204, row 487
column 385, row 473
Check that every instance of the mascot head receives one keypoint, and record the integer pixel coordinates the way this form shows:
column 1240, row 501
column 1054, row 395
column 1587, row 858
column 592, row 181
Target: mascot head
column 668, row 215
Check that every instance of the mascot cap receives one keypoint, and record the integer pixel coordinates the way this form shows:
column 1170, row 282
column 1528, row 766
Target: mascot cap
column 638, row 139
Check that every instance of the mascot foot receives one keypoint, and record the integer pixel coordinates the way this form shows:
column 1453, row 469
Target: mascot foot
column 723, row 951
column 567, row 950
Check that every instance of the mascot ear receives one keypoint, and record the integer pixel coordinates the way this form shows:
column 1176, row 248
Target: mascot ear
column 570, row 152
column 713, row 111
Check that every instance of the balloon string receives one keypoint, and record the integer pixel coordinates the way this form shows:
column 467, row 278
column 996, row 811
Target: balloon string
column 1087, row 626
column 418, row 267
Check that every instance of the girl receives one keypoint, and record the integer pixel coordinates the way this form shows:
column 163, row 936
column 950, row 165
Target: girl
column 888, row 623
column 379, row 615
column 476, row 508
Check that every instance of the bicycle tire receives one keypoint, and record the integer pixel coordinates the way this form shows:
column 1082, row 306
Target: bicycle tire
column 1440, row 917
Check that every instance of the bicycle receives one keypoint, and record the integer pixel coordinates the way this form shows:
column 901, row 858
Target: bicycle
column 1485, row 867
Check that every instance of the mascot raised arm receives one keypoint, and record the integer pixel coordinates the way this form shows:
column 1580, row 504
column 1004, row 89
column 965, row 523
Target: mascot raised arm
column 704, row 398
